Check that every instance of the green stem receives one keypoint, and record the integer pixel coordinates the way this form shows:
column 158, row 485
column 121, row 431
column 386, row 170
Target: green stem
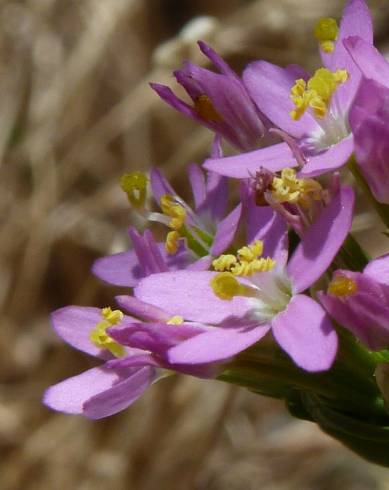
column 194, row 244
column 381, row 209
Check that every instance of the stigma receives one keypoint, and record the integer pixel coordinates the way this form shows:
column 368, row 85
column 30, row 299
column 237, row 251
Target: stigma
column 342, row 286
column 316, row 93
column 99, row 336
column 326, row 32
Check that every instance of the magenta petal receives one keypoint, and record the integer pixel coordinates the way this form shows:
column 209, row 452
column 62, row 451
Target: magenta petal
column 226, row 231
column 98, row 392
column 305, row 332
column 269, row 86
column 188, row 294
column 146, row 261
column 74, row 325
column 322, row 241
column 141, row 310
column 368, row 59
column 216, row 345
column 160, row 185
column 217, row 60
column 154, row 337
column 378, row 269
column 370, row 105
column 168, row 96
column 366, row 317
column 232, row 103
column 197, row 183
column 263, row 223
column 243, row 166
column 336, row 156
column 121, row 269
column 366, row 312
column 369, row 123
column 215, row 204
column 356, row 21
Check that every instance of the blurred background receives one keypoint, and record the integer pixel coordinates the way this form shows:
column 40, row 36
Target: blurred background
column 76, row 112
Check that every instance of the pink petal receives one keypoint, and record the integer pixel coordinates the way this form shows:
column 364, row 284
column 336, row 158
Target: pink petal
column 121, row 269
column 160, row 185
column 188, row 294
column 74, row 325
column 322, row 241
column 197, row 183
column 333, row 158
column 305, row 332
column 226, row 230
column 263, row 223
column 378, row 269
column 216, row 345
column 98, row 392
column 269, row 86
column 368, row 59
column 243, row 166
column 356, row 21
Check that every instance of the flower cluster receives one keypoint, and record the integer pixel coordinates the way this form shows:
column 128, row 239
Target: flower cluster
column 273, row 293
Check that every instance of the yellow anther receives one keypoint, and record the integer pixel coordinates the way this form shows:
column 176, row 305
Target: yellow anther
column 288, row 188
column 99, row 336
column 246, row 263
column 112, row 316
column 300, row 99
column 245, row 269
column 326, row 32
column 172, row 242
column 205, row 109
column 174, row 211
column 225, row 286
column 342, row 286
column 134, row 185
column 175, row 320
column 316, row 93
column 251, row 252
column 224, row 262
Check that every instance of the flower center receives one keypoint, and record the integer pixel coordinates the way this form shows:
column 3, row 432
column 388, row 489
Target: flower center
column 289, row 189
column 99, row 336
column 316, row 94
column 342, row 286
column 326, row 31
column 268, row 290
